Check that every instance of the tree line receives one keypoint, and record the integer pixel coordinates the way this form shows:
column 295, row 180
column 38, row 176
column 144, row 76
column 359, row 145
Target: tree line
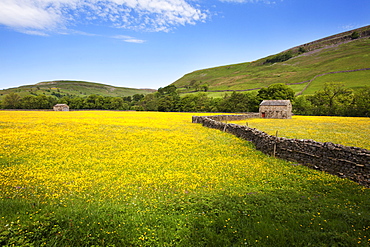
column 333, row 100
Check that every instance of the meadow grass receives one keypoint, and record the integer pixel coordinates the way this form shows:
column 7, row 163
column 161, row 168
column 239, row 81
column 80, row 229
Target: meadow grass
column 347, row 56
column 348, row 131
column 353, row 80
column 100, row 178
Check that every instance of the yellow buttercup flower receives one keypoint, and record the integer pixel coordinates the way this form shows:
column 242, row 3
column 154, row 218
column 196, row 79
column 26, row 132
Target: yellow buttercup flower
column 348, row 131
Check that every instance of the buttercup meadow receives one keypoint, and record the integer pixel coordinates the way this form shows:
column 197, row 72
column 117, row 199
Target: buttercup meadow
column 111, row 178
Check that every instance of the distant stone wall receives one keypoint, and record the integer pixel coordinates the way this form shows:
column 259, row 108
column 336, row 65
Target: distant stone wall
column 364, row 32
column 231, row 117
column 346, row 162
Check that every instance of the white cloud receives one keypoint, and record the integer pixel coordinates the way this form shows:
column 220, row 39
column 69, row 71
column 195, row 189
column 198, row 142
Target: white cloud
column 29, row 14
column 128, row 39
column 352, row 26
column 34, row 32
column 40, row 16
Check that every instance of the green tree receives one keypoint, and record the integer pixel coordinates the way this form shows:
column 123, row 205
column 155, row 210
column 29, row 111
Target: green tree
column 92, row 101
column 239, row 102
column 73, row 103
column 12, row 101
column 44, row 102
column 137, row 97
column 361, row 102
column 168, row 90
column 149, row 102
column 117, row 103
column 100, row 102
column 168, row 98
column 28, row 102
column 204, row 87
column 333, row 99
column 166, row 103
column 188, row 103
column 37, row 102
column 199, row 102
column 66, row 100
column 278, row 91
column 203, row 102
column 302, row 106
column 127, row 98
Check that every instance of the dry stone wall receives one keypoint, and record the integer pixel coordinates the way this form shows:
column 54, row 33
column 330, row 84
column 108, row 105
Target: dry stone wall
column 346, row 162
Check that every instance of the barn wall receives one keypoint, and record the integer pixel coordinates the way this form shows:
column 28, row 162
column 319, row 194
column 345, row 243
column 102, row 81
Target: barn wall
column 346, row 162
column 61, row 108
column 276, row 111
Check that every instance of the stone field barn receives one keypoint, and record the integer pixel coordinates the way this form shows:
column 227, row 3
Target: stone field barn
column 276, row 109
column 61, row 107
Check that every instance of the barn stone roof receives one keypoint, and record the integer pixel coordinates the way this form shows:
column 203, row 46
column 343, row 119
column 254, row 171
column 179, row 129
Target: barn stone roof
column 275, row 102
column 61, row 105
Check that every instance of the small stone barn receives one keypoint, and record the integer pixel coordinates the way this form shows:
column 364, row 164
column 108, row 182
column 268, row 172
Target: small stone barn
column 276, row 109
column 61, row 107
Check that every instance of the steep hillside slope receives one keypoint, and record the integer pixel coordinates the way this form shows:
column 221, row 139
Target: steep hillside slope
column 73, row 88
column 341, row 52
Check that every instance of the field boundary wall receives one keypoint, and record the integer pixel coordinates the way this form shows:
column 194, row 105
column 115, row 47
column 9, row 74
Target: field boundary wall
column 345, row 162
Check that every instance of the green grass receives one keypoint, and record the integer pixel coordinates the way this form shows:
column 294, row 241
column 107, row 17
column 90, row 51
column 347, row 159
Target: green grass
column 209, row 94
column 347, row 56
column 273, row 212
column 73, row 88
column 353, row 80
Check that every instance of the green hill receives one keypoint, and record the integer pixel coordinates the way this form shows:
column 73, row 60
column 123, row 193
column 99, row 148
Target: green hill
column 304, row 68
column 73, row 88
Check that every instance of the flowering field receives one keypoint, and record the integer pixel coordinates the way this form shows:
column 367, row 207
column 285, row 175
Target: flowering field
column 155, row 179
column 348, row 131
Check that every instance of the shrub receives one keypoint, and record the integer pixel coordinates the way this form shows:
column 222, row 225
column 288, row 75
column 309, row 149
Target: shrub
column 355, row 35
column 279, row 58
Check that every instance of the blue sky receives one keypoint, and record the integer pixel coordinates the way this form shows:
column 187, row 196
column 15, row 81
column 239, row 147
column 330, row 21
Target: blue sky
column 152, row 43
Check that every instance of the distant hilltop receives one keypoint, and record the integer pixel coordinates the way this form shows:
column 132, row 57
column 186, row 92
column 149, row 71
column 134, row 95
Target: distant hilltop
column 61, row 88
column 304, row 68
column 335, row 39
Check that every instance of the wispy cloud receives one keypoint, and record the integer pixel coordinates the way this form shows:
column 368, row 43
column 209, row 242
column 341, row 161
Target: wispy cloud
column 46, row 16
column 33, row 32
column 352, row 26
column 128, row 39
column 34, row 15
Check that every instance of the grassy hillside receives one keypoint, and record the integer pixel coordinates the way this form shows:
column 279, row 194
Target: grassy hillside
column 355, row 80
column 73, row 88
column 336, row 53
